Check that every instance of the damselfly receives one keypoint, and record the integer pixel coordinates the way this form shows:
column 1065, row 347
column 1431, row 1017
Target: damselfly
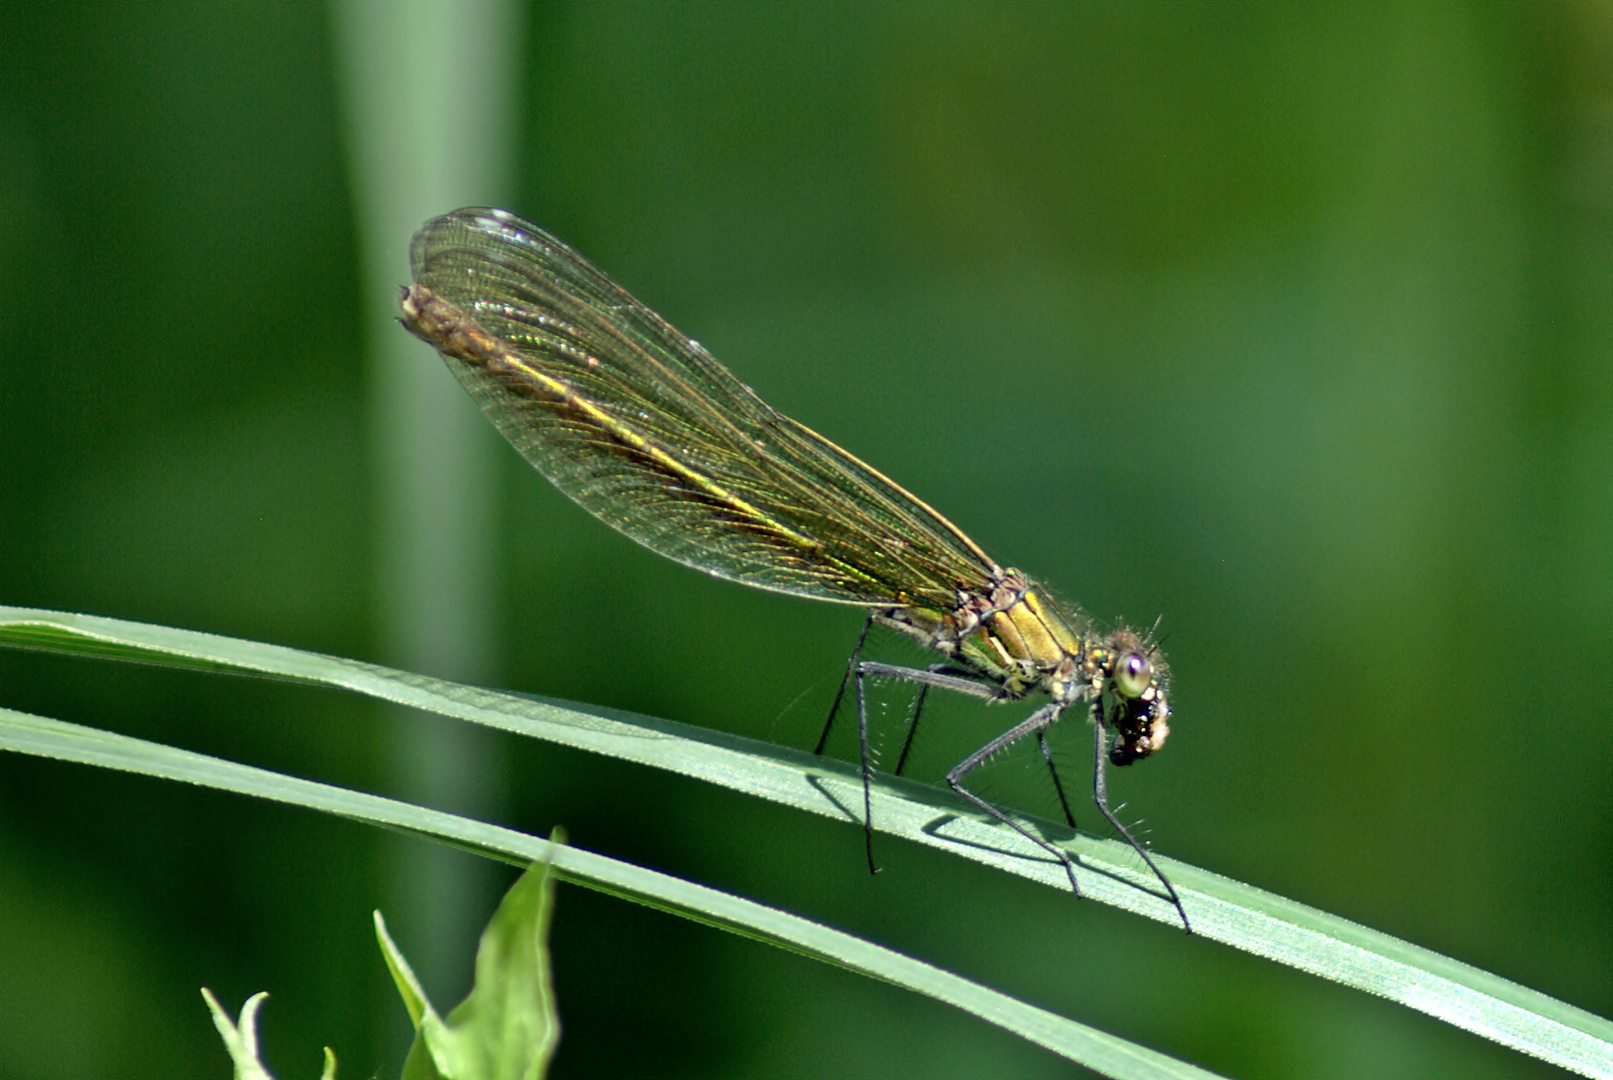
column 643, row 428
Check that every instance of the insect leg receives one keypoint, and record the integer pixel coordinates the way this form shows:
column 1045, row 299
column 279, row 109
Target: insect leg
column 1053, row 771
column 862, row 745
column 1100, row 795
column 851, row 668
column 941, row 675
column 912, row 726
column 1035, row 724
column 918, row 708
column 947, row 678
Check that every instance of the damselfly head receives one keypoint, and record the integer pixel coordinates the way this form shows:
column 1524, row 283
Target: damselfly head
column 1139, row 713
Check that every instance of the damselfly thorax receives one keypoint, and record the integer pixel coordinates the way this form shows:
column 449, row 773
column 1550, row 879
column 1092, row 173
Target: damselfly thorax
column 1019, row 641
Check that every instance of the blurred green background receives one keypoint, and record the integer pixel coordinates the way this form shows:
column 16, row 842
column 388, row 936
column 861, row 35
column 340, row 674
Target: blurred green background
column 1291, row 324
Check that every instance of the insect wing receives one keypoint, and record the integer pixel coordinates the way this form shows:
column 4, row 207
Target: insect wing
column 657, row 439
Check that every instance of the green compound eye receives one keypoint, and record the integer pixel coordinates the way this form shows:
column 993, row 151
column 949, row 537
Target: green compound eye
column 1132, row 674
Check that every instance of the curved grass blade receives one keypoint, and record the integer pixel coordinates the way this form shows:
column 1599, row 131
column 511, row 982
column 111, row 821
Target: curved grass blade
column 1097, row 1050
column 1233, row 913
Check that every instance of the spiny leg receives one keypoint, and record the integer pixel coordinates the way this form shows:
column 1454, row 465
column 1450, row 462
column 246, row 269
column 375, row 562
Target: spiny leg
column 918, row 708
column 851, row 668
column 1037, row 723
column 941, row 675
column 912, row 727
column 868, row 799
column 1100, row 796
column 944, row 676
column 1053, row 771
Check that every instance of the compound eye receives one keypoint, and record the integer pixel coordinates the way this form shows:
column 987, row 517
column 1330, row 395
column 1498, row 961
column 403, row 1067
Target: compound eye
column 1133, row 674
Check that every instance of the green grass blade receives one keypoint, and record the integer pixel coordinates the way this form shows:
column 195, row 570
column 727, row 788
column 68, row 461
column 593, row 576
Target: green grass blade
column 1104, row 1053
column 1223, row 910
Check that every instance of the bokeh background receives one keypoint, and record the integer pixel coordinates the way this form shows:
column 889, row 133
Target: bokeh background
column 1290, row 324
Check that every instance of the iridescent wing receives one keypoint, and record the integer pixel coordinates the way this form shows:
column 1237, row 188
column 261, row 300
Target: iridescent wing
column 644, row 429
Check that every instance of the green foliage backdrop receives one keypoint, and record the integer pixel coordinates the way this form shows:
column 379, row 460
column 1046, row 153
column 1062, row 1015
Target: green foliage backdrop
column 1293, row 325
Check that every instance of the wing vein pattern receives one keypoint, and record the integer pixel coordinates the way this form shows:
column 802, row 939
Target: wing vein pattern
column 664, row 444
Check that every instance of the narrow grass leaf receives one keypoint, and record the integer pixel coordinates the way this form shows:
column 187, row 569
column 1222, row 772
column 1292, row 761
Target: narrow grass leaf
column 1223, row 910
column 1099, row 1051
